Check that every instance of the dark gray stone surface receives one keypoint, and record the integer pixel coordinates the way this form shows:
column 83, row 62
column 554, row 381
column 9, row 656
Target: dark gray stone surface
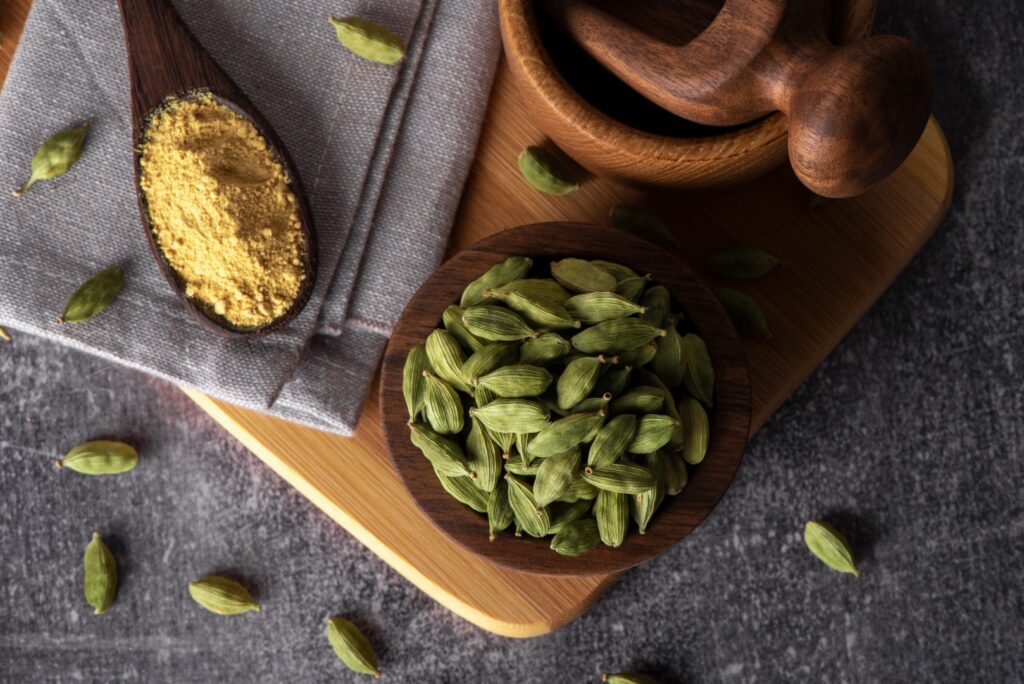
column 909, row 436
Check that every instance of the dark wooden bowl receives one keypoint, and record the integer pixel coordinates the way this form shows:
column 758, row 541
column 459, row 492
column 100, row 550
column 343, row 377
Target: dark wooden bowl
column 165, row 60
column 679, row 515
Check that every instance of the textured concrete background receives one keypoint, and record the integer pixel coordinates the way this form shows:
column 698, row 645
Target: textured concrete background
column 909, row 436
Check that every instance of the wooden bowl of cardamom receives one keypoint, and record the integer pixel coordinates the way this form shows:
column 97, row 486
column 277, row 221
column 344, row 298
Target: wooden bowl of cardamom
column 565, row 399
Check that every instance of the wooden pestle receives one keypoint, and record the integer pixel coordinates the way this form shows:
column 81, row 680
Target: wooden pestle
column 855, row 111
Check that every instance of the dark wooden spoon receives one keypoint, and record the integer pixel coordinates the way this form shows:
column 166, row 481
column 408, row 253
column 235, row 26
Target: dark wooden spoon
column 679, row 515
column 165, row 60
column 855, row 111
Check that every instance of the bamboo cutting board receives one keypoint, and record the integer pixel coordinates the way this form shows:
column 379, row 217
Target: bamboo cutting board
column 839, row 258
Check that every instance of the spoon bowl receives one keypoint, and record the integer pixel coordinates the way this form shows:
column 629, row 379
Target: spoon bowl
column 166, row 61
column 679, row 515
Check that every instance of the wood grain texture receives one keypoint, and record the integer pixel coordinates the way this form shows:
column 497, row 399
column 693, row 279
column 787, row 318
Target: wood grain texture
column 839, row 258
column 165, row 60
column 545, row 242
column 612, row 148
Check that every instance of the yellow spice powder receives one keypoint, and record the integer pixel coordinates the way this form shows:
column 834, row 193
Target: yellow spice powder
column 221, row 210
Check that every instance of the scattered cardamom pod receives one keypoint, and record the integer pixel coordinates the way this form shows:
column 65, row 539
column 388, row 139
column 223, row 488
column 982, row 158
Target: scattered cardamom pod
column 642, row 223
column 94, row 295
column 513, row 416
column 452, row 320
column 516, row 381
column 830, row 546
column 462, row 489
column 595, row 307
column 497, row 276
column 565, row 433
column 55, row 156
column 622, row 478
column 496, row 323
column 745, row 313
column 4, row 335
column 499, row 510
column 100, row 457
column 369, row 40
column 620, row 335
column 441, row 405
column 412, row 380
column 578, row 380
column 696, row 432
column 611, row 512
column 352, row 647
column 554, row 476
column 577, row 275
column 577, row 538
column 447, row 358
column 699, row 376
column 628, row 678
column 534, row 519
column 545, row 172
column 742, row 263
column 445, row 454
column 100, row 575
column 222, row 596
column 611, row 441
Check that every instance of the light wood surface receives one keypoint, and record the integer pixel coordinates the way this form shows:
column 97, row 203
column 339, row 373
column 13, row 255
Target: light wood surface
column 839, row 258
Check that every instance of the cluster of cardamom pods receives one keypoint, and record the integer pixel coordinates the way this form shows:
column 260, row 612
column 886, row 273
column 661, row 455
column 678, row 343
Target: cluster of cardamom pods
column 562, row 405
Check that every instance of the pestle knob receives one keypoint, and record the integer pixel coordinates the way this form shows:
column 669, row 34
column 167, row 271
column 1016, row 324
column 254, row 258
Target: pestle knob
column 855, row 111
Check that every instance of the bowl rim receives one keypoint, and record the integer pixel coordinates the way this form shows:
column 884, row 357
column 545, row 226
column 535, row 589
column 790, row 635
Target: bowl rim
column 679, row 515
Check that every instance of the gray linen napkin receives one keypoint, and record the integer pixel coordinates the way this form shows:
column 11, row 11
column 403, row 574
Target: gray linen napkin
column 383, row 153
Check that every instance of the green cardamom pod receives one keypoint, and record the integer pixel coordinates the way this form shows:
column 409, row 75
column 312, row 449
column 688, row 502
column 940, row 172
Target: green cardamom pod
column 517, row 381
column 551, row 404
column 100, row 575
column 699, row 374
column 517, row 465
column 513, row 416
column 577, row 275
column 462, row 489
column 644, row 505
column 745, row 313
column 564, row 513
column 611, row 441
column 222, row 596
column 352, row 647
column 445, row 454
column 639, row 357
column 628, row 678
column 676, row 475
column 487, row 359
column 577, row 538
column 452, row 320
column 619, row 335
column 578, row 380
column 55, row 156
column 483, row 457
column 657, row 303
column 368, row 40
column 614, row 381
column 633, row 288
column 483, row 396
column 592, row 405
column 499, row 275
column 499, row 510
column 441, row 405
column 545, row 172
column 830, row 546
column 618, row 270
column 534, row 519
column 540, row 312
column 595, row 307
column 4, row 335
column 523, row 447
column 641, row 399
column 496, row 323
column 579, row 490
column 447, row 358
column 669, row 407
column 742, row 263
column 622, row 478
column 653, row 432
column 642, row 223
column 100, row 457
column 611, row 512
column 412, row 380
column 668, row 361
column 555, row 475
column 504, row 440
column 696, row 430
column 95, row 295
column 544, row 348
column 536, row 288
column 565, row 433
